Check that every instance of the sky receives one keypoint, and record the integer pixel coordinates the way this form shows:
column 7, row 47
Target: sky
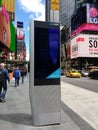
column 25, row 10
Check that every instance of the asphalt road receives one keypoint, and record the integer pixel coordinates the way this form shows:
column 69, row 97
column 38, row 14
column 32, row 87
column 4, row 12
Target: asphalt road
column 83, row 82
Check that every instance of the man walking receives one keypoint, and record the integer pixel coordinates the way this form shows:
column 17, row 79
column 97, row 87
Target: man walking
column 3, row 89
column 1, row 82
column 23, row 74
column 16, row 75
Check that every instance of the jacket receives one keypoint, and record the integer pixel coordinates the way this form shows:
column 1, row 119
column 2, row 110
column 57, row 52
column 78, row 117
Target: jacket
column 16, row 74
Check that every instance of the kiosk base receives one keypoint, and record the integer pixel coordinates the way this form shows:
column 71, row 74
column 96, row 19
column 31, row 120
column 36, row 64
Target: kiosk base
column 45, row 104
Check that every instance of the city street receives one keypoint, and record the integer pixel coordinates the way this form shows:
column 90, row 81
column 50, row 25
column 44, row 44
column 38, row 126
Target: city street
column 79, row 109
column 44, row 37
column 83, row 82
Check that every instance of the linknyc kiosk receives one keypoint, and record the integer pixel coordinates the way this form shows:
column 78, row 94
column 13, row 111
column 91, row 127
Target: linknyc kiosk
column 44, row 88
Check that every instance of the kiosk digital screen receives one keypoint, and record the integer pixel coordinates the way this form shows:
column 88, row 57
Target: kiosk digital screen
column 46, row 53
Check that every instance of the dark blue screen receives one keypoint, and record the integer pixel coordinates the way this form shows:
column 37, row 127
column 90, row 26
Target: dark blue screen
column 47, row 58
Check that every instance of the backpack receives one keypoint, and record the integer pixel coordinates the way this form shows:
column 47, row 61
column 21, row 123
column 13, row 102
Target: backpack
column 1, row 76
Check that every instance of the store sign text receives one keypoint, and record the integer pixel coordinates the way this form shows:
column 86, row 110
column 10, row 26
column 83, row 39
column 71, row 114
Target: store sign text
column 93, row 47
column 93, row 43
column 94, row 20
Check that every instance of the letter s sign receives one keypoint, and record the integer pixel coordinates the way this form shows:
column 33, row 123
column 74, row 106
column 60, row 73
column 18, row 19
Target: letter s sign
column 93, row 44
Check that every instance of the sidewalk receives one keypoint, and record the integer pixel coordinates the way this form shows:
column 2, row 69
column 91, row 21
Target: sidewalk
column 81, row 101
column 76, row 113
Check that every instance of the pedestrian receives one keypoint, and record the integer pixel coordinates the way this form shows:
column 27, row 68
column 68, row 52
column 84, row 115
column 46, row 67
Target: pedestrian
column 1, row 82
column 23, row 74
column 16, row 75
column 3, row 89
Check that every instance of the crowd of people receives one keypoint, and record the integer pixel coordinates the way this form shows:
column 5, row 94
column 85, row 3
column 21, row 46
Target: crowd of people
column 5, row 79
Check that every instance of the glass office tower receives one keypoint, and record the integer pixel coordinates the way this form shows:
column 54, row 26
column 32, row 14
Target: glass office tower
column 67, row 8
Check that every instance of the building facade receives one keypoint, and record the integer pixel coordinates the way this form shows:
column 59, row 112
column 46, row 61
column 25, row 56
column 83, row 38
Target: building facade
column 67, row 7
column 84, row 34
column 52, row 10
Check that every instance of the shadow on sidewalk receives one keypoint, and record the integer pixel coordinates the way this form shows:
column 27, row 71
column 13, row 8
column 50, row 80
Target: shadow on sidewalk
column 26, row 119
column 17, row 118
column 76, row 118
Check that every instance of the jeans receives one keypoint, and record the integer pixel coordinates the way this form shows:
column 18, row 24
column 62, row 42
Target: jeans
column 0, row 87
column 16, row 82
column 0, row 90
column 23, row 78
column 2, row 95
column 4, row 91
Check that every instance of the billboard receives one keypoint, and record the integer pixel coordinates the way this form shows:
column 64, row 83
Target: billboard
column 12, row 37
column 4, row 27
column 47, row 53
column 20, row 41
column 10, row 7
column 7, row 30
column 19, row 24
column 54, row 5
column 84, row 45
column 92, row 13
column 86, row 18
column 20, row 34
column 83, row 27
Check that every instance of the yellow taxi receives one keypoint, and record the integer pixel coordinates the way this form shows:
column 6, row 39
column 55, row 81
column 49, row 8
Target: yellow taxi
column 73, row 74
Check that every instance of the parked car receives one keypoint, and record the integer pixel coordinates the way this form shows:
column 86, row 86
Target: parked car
column 93, row 74
column 83, row 73
column 73, row 74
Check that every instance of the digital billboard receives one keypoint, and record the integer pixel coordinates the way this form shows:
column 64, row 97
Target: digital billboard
column 46, row 53
column 86, row 18
column 92, row 13
column 83, row 27
column 20, row 34
column 84, row 45
column 20, row 40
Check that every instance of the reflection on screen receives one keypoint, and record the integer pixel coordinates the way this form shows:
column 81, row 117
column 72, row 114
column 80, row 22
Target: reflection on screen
column 47, row 61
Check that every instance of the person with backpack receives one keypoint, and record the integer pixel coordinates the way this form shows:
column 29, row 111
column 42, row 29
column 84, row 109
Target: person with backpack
column 3, row 82
column 16, row 75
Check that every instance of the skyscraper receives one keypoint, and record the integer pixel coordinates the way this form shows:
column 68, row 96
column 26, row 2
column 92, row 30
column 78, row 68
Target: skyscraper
column 63, row 13
column 67, row 8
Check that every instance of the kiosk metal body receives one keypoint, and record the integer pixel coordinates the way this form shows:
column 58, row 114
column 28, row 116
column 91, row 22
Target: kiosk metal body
column 44, row 88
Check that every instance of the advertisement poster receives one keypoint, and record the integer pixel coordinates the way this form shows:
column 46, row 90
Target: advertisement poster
column 7, row 30
column 84, row 46
column 92, row 13
column 86, row 18
column 10, row 7
column 20, row 41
